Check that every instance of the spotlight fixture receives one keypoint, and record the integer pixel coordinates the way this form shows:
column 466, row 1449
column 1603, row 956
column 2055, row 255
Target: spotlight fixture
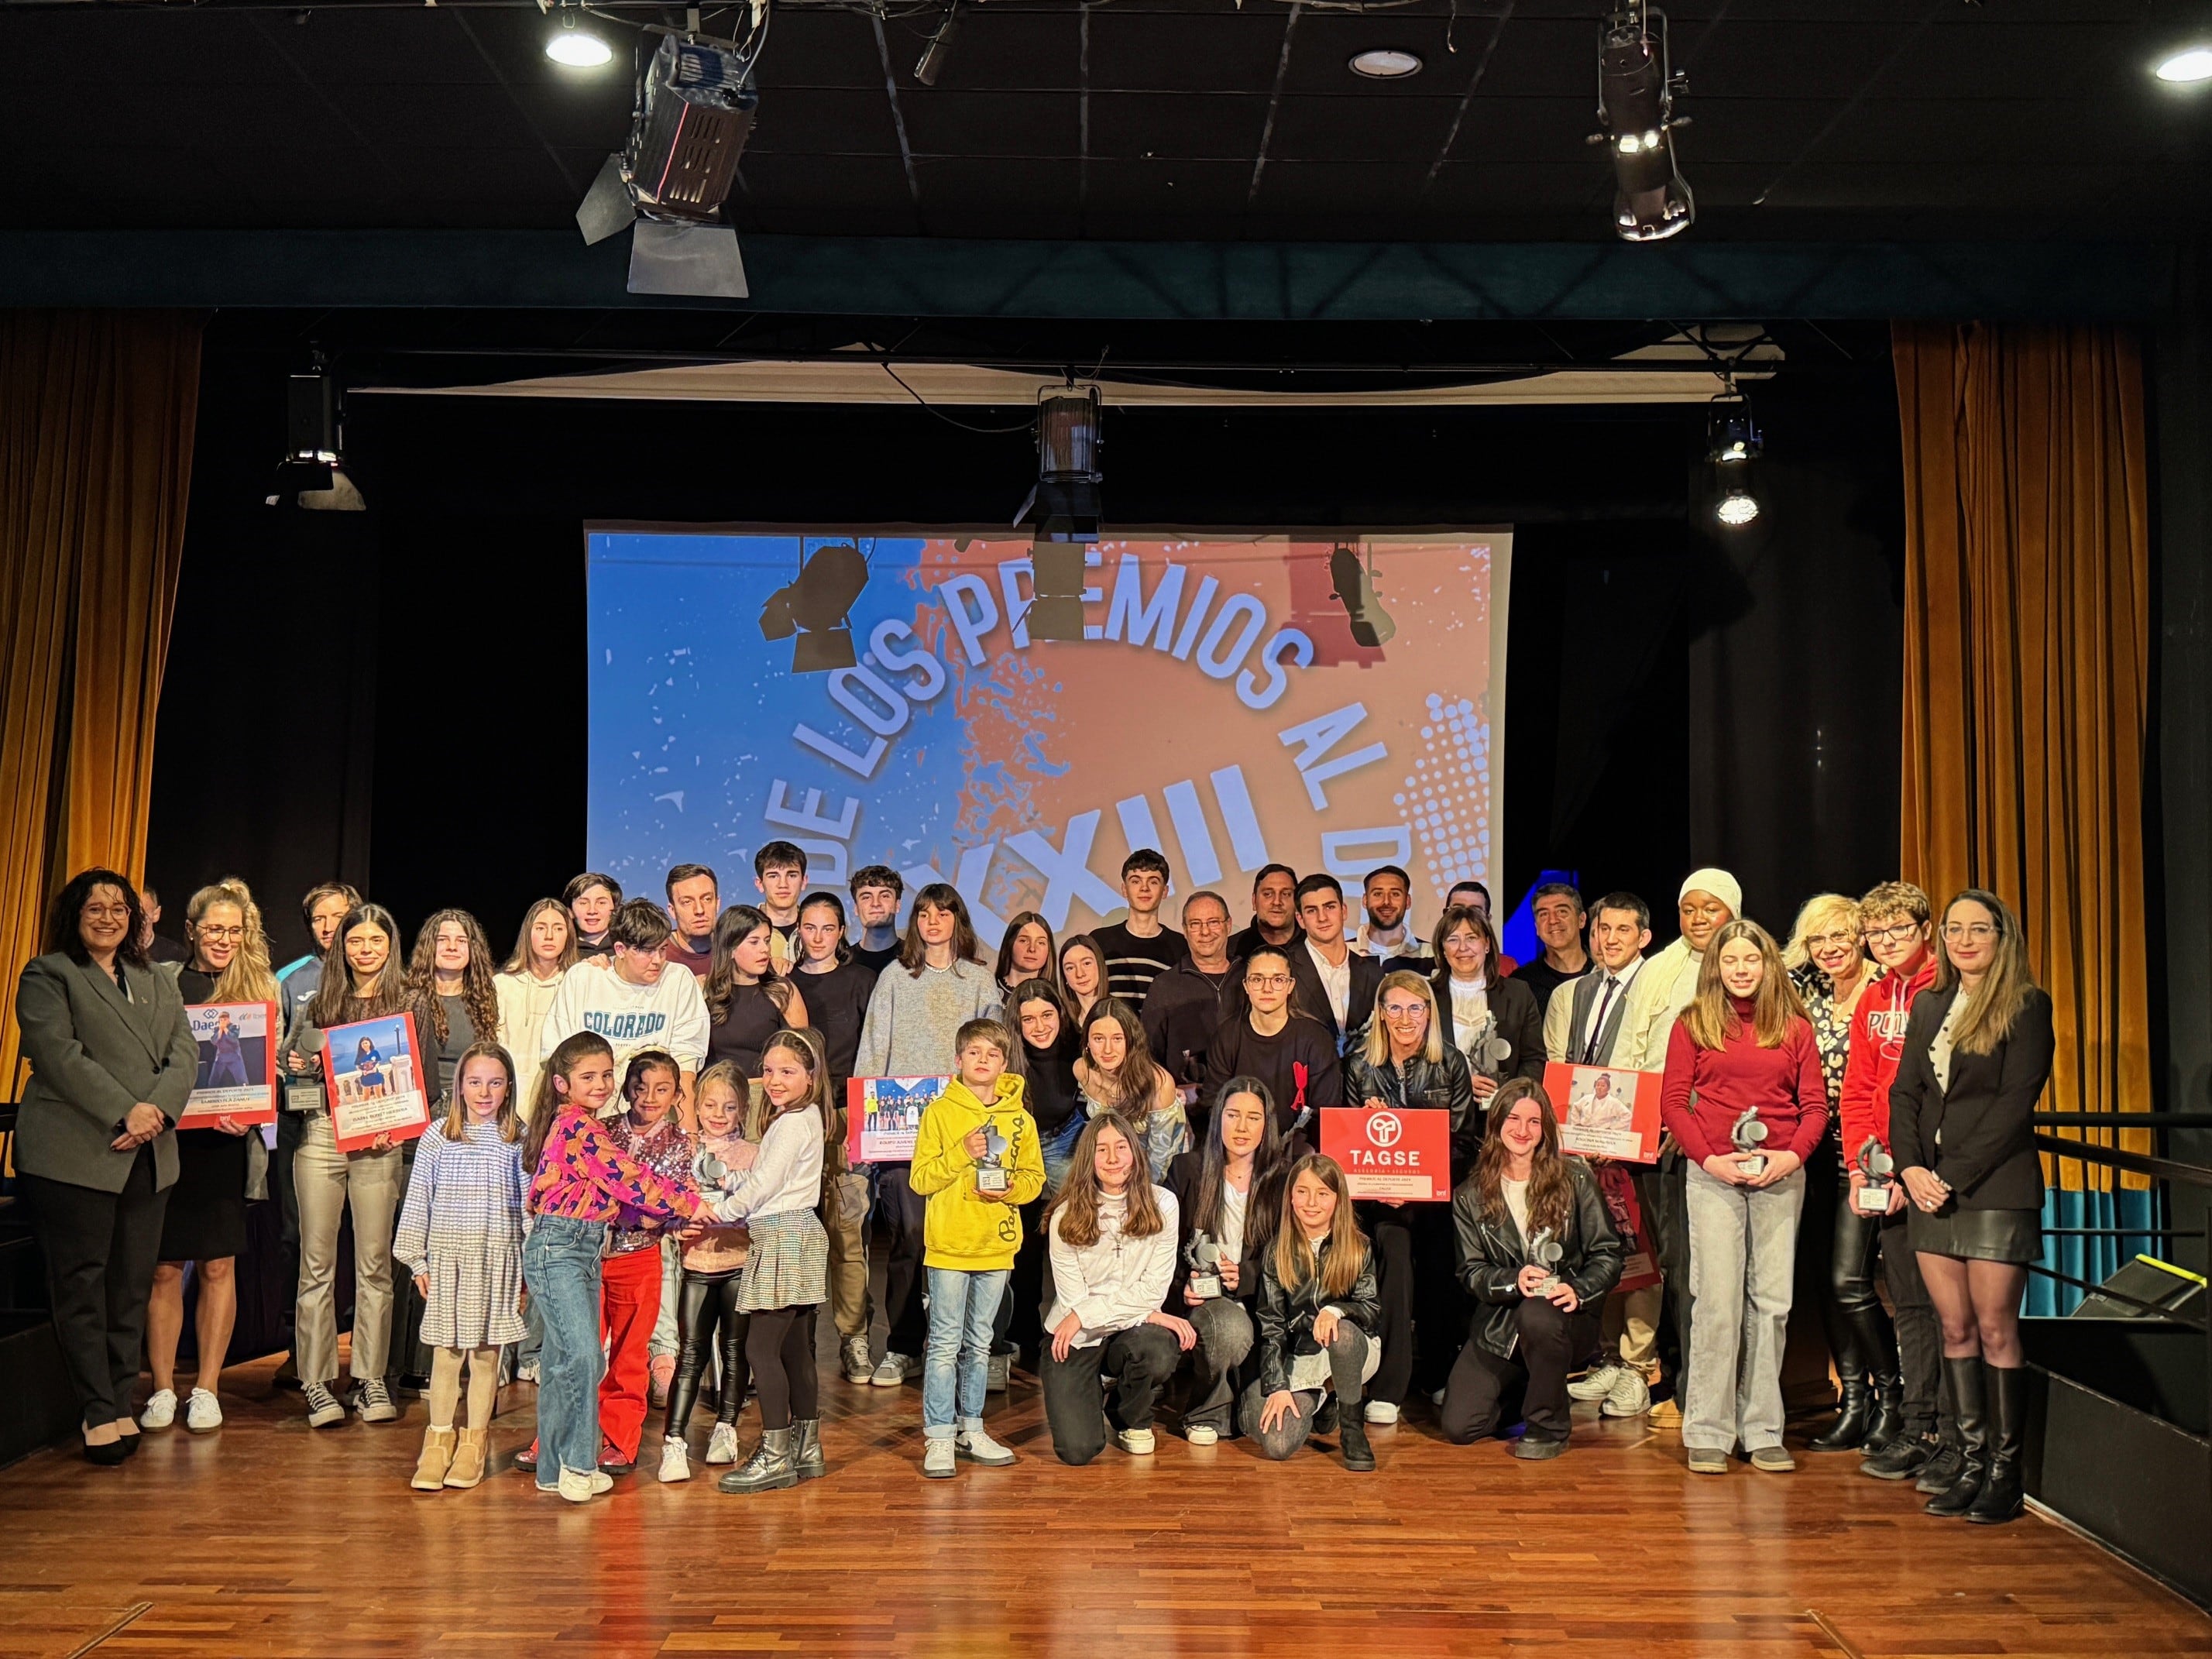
column 312, row 470
column 1738, row 507
column 1063, row 509
column 693, row 114
column 940, row 48
column 1636, row 90
column 576, row 48
column 1386, row 63
column 2187, row 67
column 1731, row 434
column 815, row 608
column 1353, row 579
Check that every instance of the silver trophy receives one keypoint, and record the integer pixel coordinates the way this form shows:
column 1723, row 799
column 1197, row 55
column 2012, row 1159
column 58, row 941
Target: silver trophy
column 1486, row 1051
column 1877, row 1166
column 1545, row 1251
column 991, row 1175
column 1204, row 1255
column 708, row 1169
column 1749, row 1133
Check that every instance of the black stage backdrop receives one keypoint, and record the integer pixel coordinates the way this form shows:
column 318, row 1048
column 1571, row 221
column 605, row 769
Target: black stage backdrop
column 398, row 697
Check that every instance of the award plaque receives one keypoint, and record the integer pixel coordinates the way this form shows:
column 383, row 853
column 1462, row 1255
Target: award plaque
column 1748, row 1134
column 1545, row 1251
column 1204, row 1255
column 1877, row 1166
column 991, row 1173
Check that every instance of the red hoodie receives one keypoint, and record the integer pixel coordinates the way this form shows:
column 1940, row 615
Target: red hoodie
column 1706, row 1089
column 1877, row 1046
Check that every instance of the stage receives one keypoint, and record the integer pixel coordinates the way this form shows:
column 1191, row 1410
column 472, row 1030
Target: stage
column 267, row 1538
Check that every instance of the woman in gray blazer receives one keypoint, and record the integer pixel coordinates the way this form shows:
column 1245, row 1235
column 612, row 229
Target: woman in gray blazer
column 112, row 1061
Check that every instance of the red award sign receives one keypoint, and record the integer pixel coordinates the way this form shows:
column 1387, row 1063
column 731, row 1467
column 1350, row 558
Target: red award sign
column 1389, row 1153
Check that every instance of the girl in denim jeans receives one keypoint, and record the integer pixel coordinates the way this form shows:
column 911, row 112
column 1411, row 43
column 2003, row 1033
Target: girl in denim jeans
column 582, row 1182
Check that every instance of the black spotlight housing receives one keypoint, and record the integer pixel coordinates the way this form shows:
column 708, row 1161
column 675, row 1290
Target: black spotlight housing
column 815, row 608
column 1064, row 510
column 1353, row 579
column 1636, row 90
column 1733, row 442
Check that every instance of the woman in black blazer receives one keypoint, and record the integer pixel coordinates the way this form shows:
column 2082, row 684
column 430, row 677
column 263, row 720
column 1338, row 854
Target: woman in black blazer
column 1512, row 1043
column 1977, row 1053
column 112, row 1060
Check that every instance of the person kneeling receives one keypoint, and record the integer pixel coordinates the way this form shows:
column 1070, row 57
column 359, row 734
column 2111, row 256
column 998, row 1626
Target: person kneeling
column 1113, row 1238
column 1536, row 1318
column 1317, row 1305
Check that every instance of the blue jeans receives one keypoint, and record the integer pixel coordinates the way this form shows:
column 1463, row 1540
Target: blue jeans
column 561, row 1266
column 962, row 1307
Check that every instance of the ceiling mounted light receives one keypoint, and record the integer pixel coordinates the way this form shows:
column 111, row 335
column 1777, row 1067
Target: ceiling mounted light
column 575, row 48
column 1636, row 88
column 1386, row 63
column 1731, row 435
column 817, row 608
column 2185, row 68
column 1737, row 508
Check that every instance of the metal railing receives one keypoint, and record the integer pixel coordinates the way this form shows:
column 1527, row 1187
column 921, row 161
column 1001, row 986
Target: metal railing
column 2169, row 1169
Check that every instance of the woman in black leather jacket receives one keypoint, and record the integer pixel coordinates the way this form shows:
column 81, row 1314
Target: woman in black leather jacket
column 1316, row 1313
column 1535, row 1317
column 1408, row 1065
column 1494, row 1023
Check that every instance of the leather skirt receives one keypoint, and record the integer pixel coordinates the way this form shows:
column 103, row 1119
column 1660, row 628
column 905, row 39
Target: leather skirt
column 1977, row 1235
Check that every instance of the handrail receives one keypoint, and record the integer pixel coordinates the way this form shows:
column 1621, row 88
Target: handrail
column 2164, row 1168
column 2127, row 1120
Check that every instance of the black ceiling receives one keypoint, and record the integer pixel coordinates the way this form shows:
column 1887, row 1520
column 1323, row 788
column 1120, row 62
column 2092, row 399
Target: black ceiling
column 1915, row 119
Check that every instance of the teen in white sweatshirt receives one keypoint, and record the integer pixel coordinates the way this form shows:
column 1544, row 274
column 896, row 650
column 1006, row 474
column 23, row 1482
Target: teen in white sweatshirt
column 630, row 998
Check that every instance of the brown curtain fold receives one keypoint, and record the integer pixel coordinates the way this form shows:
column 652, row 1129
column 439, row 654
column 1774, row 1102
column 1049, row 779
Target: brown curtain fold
column 96, row 416
column 2027, row 667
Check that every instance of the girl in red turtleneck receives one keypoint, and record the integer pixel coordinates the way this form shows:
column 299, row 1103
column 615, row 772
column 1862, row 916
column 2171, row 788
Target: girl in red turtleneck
column 1742, row 1046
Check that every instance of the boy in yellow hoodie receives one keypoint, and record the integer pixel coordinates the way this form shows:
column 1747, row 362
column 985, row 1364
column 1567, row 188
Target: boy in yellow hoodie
column 977, row 1162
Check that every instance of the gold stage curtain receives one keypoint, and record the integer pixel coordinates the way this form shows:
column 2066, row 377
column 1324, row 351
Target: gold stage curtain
column 2027, row 668
column 96, row 417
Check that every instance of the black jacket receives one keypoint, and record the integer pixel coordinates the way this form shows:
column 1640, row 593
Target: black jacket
column 1182, row 1011
column 1285, row 1318
column 1236, row 1048
column 1182, row 1181
column 1976, row 1135
column 1308, row 997
column 1519, row 1021
column 1447, row 1085
column 1491, row 1257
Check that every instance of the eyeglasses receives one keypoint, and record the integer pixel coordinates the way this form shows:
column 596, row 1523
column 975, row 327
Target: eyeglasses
column 1831, row 942
column 205, row 932
column 1405, row 1010
column 1268, row 982
column 1979, row 932
column 1896, row 934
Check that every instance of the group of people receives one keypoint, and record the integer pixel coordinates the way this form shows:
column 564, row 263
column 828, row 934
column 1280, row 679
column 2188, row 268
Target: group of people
column 635, row 1186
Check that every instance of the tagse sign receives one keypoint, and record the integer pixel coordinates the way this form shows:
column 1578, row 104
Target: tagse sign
column 1389, row 1153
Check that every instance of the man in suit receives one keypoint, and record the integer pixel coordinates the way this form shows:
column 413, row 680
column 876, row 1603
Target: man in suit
column 113, row 1061
column 1330, row 981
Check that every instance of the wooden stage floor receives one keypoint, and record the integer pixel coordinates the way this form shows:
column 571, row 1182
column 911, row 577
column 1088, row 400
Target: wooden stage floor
column 268, row 1538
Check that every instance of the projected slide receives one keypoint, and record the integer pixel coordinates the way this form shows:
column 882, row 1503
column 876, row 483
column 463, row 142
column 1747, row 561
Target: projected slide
column 1220, row 706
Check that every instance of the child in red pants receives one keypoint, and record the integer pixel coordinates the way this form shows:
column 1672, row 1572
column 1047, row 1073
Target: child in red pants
column 629, row 1277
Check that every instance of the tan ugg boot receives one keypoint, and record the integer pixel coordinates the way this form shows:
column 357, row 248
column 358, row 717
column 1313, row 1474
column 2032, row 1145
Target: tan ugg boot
column 437, row 1456
column 469, row 1462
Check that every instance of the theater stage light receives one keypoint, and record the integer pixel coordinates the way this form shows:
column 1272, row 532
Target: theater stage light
column 815, row 608
column 1636, row 88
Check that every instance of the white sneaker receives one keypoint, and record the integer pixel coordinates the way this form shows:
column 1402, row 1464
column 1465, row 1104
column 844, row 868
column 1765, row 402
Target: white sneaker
column 161, row 1410
column 1596, row 1383
column 858, row 1366
column 203, row 1411
column 675, row 1460
column 939, row 1459
column 1382, row 1411
column 581, row 1487
column 373, row 1401
column 722, row 1445
column 994, row 1381
column 1437, row 1398
column 975, row 1445
column 895, row 1369
column 1201, row 1434
column 1629, row 1397
column 1137, row 1442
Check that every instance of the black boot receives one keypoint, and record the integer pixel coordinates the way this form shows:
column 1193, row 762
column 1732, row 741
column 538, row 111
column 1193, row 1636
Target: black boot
column 1351, row 1436
column 1888, row 1426
column 1966, row 1376
column 1848, row 1431
column 2001, row 1496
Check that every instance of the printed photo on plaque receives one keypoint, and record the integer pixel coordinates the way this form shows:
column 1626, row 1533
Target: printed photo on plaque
column 374, row 1072
column 883, row 1116
column 1605, row 1111
column 237, row 1076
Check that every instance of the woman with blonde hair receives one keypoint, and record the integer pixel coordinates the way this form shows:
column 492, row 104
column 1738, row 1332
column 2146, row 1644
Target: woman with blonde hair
column 544, row 949
column 1744, row 1097
column 1407, row 1065
column 1977, row 1053
column 1830, row 971
column 219, row 1166
column 1317, row 1315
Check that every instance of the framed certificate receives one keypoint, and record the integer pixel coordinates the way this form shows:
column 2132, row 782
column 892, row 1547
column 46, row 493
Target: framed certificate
column 1391, row 1153
column 1605, row 1111
column 374, row 1077
column 883, row 1116
column 237, row 1076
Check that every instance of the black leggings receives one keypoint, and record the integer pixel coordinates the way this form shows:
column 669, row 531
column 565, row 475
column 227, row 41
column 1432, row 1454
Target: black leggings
column 781, row 1346
column 707, row 1303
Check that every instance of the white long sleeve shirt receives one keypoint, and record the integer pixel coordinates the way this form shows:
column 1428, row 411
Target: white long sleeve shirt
column 1114, row 1284
column 787, row 1174
column 670, row 1013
